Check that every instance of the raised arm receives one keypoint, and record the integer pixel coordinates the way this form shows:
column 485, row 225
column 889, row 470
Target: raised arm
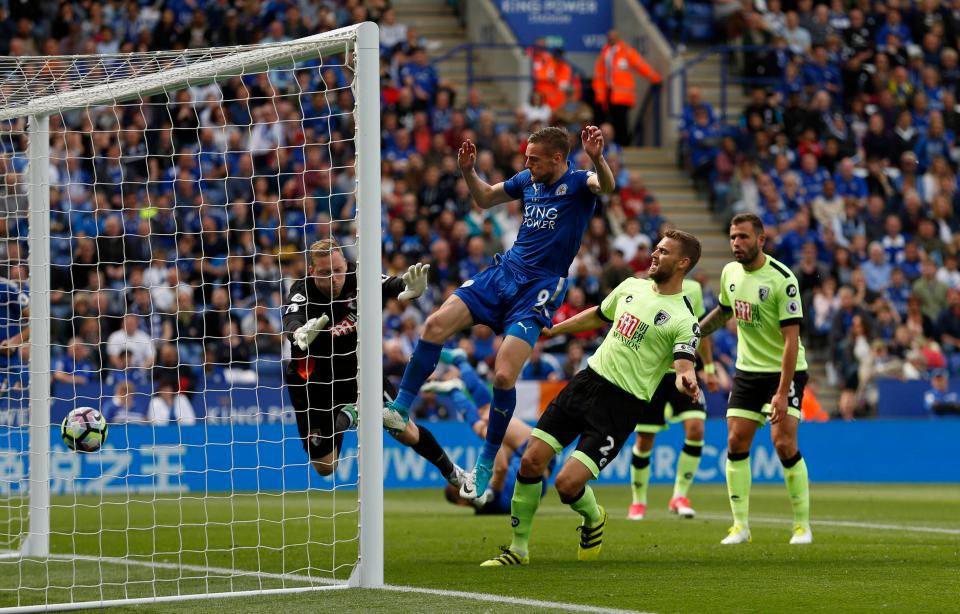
column 603, row 182
column 588, row 319
column 484, row 194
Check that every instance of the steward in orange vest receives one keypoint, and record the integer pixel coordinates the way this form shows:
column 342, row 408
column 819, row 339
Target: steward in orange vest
column 614, row 88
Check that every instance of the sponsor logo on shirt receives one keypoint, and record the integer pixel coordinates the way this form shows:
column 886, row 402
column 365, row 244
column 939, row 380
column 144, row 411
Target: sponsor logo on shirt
column 630, row 330
column 747, row 313
column 539, row 217
column 791, row 290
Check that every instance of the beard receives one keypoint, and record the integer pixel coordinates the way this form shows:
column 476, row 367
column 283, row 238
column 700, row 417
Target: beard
column 749, row 255
column 661, row 274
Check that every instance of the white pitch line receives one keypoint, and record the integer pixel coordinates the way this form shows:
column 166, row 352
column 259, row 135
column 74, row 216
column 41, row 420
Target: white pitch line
column 843, row 523
column 551, row 605
column 216, row 571
column 226, row 571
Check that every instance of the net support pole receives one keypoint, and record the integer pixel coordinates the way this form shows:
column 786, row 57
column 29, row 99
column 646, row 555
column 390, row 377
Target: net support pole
column 38, row 537
column 369, row 571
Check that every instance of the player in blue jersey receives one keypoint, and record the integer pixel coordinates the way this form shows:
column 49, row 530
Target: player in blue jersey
column 518, row 295
column 13, row 336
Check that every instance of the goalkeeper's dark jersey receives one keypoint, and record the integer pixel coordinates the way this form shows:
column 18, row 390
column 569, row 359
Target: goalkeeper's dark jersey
column 333, row 354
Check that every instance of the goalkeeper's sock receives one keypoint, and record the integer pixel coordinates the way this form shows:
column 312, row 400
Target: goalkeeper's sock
column 421, row 366
column 476, row 385
column 585, row 504
column 798, row 487
column 640, row 476
column 523, row 506
column 738, row 486
column 428, row 448
column 465, row 407
column 687, row 467
column 504, row 402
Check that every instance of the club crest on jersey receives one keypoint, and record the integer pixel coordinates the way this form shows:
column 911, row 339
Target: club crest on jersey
column 562, row 189
column 661, row 318
column 764, row 293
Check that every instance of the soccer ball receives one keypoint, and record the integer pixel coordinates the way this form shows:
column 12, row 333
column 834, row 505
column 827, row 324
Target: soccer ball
column 84, row 429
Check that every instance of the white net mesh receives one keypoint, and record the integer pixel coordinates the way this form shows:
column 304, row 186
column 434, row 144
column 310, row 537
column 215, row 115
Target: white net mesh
column 184, row 189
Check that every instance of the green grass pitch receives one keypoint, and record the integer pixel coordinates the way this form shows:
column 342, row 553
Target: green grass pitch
column 661, row 564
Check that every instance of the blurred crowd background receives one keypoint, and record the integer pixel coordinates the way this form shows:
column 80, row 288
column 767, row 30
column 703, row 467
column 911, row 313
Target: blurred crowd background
column 179, row 220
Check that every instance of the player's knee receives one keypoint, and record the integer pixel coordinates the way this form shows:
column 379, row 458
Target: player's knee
column 568, row 486
column 737, row 442
column 434, row 329
column 504, row 378
column 694, row 430
column 324, row 468
column 531, row 465
column 786, row 447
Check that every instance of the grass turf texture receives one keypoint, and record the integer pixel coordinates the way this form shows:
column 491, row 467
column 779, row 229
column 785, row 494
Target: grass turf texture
column 661, row 564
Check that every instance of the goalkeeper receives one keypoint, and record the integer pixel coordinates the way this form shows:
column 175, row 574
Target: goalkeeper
column 320, row 319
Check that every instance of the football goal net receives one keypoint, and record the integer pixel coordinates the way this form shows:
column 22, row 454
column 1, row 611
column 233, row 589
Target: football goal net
column 154, row 212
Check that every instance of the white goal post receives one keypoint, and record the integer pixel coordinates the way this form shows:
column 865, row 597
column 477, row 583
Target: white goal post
column 31, row 90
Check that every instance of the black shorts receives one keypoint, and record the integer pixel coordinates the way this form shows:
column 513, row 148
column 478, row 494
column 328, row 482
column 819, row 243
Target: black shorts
column 600, row 413
column 752, row 392
column 315, row 405
column 654, row 417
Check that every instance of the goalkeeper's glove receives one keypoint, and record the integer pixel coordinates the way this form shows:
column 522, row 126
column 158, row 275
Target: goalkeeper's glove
column 305, row 335
column 416, row 281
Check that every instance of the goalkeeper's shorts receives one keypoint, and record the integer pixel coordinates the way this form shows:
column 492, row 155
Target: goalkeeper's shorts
column 315, row 405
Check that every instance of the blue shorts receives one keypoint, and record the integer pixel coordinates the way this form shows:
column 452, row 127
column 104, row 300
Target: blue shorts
column 501, row 296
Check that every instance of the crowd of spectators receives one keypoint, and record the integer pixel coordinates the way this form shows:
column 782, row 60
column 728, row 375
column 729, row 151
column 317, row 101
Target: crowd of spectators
column 177, row 221
column 847, row 149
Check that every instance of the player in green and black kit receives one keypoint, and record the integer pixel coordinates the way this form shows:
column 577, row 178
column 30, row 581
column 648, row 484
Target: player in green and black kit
column 682, row 408
column 764, row 296
column 653, row 327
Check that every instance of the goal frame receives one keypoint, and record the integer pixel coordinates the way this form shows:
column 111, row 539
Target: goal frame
column 363, row 41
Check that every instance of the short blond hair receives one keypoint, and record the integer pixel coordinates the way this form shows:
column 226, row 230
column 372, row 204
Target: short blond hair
column 324, row 248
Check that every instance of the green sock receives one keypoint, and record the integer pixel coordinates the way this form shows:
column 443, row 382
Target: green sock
column 587, row 507
column 738, row 487
column 640, row 476
column 523, row 506
column 798, row 487
column 687, row 467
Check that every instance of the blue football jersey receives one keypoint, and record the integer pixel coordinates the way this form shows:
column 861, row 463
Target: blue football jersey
column 555, row 217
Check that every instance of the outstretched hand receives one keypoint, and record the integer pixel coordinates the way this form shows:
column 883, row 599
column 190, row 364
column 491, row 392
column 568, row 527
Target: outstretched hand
column 690, row 387
column 467, row 156
column 592, row 139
